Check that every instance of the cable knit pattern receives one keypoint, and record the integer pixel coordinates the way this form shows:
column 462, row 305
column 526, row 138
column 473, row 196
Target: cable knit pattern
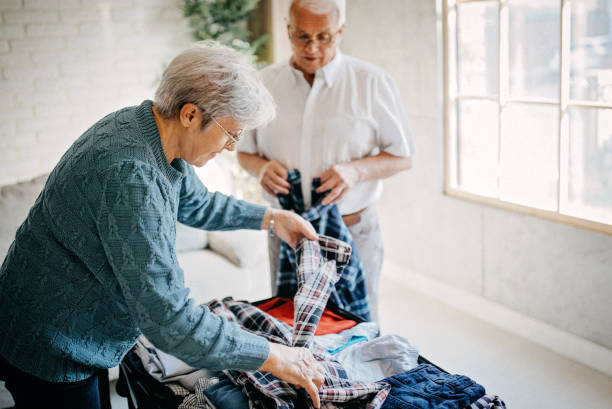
column 93, row 266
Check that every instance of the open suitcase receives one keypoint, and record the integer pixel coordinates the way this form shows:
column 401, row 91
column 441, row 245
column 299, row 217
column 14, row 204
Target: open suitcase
column 145, row 392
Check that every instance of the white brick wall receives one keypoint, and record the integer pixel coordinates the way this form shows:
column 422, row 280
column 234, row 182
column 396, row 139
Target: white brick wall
column 64, row 64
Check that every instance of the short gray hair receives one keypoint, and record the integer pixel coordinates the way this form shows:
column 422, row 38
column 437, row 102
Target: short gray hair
column 324, row 7
column 218, row 80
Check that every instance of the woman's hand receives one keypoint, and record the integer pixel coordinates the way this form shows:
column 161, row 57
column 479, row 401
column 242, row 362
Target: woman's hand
column 273, row 178
column 289, row 226
column 296, row 366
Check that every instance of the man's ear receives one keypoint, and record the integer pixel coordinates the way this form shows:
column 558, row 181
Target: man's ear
column 187, row 114
column 341, row 29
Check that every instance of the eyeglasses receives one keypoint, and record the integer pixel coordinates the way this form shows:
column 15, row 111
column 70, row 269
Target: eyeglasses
column 232, row 138
column 302, row 39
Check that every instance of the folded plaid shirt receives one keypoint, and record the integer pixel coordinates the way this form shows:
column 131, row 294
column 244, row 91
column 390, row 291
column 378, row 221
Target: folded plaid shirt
column 316, row 277
column 350, row 291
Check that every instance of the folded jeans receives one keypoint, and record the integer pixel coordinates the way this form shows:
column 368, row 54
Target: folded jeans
column 426, row 387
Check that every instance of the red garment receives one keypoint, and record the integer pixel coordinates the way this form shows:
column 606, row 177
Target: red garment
column 282, row 309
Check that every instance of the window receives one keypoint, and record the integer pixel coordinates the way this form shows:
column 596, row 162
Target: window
column 528, row 106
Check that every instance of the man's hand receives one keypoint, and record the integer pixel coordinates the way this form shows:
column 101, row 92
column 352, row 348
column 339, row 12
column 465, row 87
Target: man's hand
column 273, row 178
column 296, row 366
column 289, row 226
column 339, row 179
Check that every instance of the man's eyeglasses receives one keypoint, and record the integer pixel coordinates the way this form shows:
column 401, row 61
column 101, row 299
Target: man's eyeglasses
column 302, row 39
column 232, row 138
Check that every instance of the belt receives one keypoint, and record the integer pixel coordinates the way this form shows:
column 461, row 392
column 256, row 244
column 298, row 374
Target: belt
column 353, row 218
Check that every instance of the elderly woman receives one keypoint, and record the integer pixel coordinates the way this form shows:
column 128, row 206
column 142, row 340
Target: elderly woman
column 93, row 266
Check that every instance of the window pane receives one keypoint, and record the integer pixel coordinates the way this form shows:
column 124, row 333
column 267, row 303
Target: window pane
column 534, row 65
column 591, row 51
column 477, row 37
column 478, row 147
column 529, row 155
column 590, row 164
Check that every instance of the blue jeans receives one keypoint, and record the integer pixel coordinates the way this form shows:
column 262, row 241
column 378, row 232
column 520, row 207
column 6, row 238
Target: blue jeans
column 31, row 392
column 426, row 387
column 226, row 395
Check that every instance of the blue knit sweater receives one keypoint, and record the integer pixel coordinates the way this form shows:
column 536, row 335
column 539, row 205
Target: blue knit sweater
column 93, row 266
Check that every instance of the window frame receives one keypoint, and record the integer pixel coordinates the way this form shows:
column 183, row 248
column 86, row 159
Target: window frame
column 452, row 97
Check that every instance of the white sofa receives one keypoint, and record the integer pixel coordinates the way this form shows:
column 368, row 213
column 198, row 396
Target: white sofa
column 215, row 264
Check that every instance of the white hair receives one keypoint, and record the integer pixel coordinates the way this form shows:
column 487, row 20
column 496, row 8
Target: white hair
column 220, row 81
column 324, row 7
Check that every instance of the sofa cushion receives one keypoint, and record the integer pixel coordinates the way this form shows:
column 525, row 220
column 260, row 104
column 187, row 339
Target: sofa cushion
column 189, row 238
column 15, row 203
column 209, row 275
column 241, row 247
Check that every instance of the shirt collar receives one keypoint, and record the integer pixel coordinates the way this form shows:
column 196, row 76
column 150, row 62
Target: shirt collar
column 329, row 71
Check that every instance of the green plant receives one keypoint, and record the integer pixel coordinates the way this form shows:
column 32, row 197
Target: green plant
column 225, row 21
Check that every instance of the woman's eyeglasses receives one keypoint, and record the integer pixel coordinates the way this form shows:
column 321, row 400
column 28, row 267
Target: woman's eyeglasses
column 232, row 138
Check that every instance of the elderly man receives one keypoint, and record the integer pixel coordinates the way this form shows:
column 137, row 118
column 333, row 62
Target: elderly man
column 339, row 119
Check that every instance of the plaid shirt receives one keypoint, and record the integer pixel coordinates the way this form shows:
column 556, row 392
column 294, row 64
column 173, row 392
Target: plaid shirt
column 350, row 292
column 316, row 277
column 488, row 402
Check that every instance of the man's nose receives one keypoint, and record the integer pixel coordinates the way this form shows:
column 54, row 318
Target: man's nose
column 312, row 46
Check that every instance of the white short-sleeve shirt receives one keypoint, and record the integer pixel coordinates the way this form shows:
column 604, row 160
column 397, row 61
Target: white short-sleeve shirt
column 353, row 110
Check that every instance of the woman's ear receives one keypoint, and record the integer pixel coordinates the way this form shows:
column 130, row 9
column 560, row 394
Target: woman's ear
column 187, row 114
